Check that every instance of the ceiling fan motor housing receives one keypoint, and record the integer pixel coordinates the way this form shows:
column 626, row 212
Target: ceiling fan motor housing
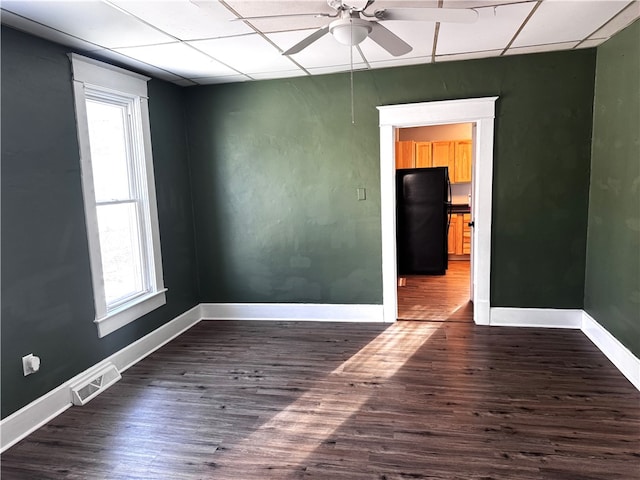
column 350, row 30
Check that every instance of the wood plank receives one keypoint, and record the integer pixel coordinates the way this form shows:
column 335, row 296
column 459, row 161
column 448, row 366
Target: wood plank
column 288, row 400
column 437, row 297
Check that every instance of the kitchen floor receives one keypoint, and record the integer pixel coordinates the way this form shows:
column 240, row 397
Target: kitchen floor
column 437, row 297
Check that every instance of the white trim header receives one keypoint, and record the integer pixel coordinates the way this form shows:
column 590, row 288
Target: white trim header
column 90, row 71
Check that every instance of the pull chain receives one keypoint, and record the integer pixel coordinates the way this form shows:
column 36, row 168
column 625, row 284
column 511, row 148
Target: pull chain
column 353, row 115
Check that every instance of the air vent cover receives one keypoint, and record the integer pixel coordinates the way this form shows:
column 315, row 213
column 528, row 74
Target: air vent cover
column 94, row 383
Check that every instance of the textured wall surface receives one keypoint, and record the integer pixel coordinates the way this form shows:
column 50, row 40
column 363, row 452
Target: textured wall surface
column 612, row 285
column 47, row 298
column 275, row 174
column 276, row 165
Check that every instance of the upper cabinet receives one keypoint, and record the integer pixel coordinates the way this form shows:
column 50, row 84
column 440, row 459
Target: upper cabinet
column 410, row 154
column 423, row 155
column 405, row 154
column 455, row 154
column 444, row 155
column 462, row 166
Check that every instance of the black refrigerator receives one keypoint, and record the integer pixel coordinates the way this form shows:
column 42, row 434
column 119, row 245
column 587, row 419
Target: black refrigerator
column 422, row 214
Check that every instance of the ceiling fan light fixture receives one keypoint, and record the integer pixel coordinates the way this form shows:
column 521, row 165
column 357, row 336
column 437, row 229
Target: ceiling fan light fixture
column 350, row 31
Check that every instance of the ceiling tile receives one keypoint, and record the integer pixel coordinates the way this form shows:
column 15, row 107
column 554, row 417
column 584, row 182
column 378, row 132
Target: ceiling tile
column 380, row 4
column 221, row 79
column 269, row 8
column 478, row 3
column 325, row 52
column 45, row 32
column 557, row 21
column 114, row 56
column 185, row 19
column 180, row 59
column 336, row 69
column 620, row 21
column 493, row 30
column 273, row 75
column 248, row 8
column 248, row 54
column 400, row 61
column 145, row 34
column 94, row 21
column 417, row 34
column 541, row 48
column 468, row 55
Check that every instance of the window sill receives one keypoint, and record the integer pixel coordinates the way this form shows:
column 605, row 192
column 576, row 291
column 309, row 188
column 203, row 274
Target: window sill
column 130, row 312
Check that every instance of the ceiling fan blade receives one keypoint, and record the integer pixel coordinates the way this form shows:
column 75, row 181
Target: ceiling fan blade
column 388, row 40
column 321, row 32
column 369, row 3
column 456, row 15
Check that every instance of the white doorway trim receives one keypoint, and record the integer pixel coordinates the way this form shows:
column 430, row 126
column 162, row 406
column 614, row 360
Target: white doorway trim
column 481, row 112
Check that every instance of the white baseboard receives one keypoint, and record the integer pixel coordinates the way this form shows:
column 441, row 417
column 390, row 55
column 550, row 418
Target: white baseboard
column 34, row 415
column 536, row 317
column 481, row 312
column 616, row 352
column 18, row 425
column 292, row 312
column 133, row 353
column 31, row 417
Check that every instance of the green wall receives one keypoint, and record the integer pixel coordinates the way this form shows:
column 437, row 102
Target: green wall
column 276, row 165
column 47, row 299
column 612, row 284
column 260, row 188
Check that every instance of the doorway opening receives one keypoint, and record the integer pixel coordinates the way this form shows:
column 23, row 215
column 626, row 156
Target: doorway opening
column 480, row 112
column 447, row 294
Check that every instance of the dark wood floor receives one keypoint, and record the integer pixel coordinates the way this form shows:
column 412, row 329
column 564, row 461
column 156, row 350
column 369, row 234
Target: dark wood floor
column 414, row 400
column 436, row 297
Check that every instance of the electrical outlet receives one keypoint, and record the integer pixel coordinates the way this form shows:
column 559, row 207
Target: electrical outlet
column 30, row 364
column 362, row 193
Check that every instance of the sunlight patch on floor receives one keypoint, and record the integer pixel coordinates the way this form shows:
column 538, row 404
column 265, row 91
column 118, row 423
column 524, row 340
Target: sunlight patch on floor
column 289, row 437
column 436, row 313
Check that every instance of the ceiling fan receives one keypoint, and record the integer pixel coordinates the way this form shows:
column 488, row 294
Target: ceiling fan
column 353, row 24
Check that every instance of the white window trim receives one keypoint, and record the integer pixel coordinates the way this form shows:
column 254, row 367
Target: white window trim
column 89, row 72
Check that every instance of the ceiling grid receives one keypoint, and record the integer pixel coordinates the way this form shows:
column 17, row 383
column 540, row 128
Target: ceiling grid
column 196, row 42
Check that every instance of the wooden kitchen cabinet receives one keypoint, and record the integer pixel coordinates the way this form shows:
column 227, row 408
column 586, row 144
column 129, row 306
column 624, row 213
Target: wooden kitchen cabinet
column 410, row 154
column 462, row 166
column 459, row 240
column 453, row 234
column 442, row 155
column 423, row 155
column 405, row 154
column 454, row 154
column 466, row 234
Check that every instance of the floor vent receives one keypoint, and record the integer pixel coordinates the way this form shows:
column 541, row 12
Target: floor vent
column 94, row 383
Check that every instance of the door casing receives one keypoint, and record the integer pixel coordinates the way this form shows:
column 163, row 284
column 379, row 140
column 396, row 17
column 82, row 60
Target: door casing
column 480, row 112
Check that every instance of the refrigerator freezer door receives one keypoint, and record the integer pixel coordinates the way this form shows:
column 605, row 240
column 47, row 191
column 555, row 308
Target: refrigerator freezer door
column 422, row 216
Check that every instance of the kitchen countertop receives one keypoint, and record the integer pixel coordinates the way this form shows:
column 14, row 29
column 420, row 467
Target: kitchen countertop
column 459, row 208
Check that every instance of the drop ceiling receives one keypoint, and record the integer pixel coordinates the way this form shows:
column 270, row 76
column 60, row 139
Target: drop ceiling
column 199, row 42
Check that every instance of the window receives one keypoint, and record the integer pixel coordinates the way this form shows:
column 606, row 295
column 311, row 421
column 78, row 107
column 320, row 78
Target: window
column 119, row 194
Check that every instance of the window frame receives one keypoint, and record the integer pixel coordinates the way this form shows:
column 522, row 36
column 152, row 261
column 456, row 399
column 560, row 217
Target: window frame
column 102, row 82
